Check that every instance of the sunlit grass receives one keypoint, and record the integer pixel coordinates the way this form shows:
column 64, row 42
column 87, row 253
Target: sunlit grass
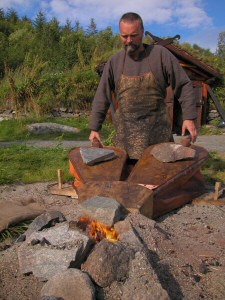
column 12, row 130
column 28, row 164
column 14, row 231
column 214, row 168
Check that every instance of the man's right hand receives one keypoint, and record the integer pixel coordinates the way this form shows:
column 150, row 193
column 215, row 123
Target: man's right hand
column 95, row 135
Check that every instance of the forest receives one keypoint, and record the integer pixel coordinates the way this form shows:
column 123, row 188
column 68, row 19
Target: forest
column 44, row 65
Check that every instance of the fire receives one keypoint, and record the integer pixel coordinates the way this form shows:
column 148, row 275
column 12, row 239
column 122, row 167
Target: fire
column 97, row 230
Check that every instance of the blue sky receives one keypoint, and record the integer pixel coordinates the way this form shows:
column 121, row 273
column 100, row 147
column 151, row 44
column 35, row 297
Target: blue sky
column 197, row 21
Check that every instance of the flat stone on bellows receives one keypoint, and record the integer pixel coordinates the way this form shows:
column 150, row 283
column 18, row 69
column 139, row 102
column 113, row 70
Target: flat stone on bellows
column 92, row 156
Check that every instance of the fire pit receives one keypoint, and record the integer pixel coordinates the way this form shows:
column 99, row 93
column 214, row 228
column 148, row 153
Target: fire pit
column 96, row 230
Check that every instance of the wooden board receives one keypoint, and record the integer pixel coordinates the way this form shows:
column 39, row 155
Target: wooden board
column 149, row 170
column 132, row 196
column 109, row 170
column 66, row 190
column 217, row 103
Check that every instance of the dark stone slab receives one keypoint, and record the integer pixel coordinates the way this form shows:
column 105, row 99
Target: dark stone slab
column 104, row 209
column 93, row 155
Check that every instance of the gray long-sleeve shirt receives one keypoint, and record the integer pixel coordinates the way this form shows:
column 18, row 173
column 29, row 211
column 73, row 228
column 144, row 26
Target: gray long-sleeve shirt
column 166, row 70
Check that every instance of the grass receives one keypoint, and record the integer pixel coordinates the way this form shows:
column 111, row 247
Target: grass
column 14, row 231
column 21, row 163
column 12, row 130
column 214, row 168
column 211, row 130
column 28, row 164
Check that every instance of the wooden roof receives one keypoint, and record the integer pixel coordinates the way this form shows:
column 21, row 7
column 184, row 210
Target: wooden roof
column 187, row 60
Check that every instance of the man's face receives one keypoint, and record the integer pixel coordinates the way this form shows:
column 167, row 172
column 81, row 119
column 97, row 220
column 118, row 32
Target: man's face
column 131, row 35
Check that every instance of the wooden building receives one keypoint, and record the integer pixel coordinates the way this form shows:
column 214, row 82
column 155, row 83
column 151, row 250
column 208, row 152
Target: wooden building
column 203, row 78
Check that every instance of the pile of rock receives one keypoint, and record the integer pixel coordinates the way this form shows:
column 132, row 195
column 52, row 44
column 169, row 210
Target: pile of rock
column 74, row 266
column 55, row 112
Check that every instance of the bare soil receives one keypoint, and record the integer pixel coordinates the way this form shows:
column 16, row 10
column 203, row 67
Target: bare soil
column 188, row 255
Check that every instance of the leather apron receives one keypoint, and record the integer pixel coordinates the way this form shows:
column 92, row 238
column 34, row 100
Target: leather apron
column 142, row 118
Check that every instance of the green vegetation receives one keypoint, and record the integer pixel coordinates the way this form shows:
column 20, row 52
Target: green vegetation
column 14, row 231
column 28, row 164
column 45, row 65
column 16, row 129
column 21, row 163
column 214, row 168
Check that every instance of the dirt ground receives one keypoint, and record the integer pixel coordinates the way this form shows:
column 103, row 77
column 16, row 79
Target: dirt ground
column 189, row 260
column 188, row 254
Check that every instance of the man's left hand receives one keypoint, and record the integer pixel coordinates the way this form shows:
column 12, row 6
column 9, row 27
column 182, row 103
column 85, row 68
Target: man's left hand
column 190, row 125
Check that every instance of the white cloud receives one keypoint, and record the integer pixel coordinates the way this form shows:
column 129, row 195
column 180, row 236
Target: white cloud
column 5, row 4
column 207, row 38
column 186, row 13
column 191, row 15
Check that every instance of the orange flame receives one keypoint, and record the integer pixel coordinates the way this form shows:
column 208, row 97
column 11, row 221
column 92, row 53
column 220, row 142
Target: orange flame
column 97, row 230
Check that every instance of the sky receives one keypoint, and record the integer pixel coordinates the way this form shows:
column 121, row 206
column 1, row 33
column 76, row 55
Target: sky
column 196, row 21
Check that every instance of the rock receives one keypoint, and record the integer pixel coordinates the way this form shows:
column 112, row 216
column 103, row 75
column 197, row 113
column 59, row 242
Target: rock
column 55, row 113
column 38, row 128
column 51, row 298
column 71, row 284
column 108, row 262
column 127, row 234
column 8, row 112
column 169, row 152
column 59, row 249
column 221, row 124
column 46, row 220
column 122, row 227
column 63, row 109
column 142, row 282
column 106, row 210
column 213, row 114
column 185, row 141
column 91, row 156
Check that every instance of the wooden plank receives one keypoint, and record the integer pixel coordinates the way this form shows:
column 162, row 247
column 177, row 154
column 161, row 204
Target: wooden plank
column 65, row 190
column 60, row 179
column 219, row 108
column 218, row 190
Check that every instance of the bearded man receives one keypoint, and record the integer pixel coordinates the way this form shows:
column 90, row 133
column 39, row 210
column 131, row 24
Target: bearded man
column 134, row 83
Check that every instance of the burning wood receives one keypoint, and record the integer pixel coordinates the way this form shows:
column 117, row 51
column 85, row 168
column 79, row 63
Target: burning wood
column 96, row 229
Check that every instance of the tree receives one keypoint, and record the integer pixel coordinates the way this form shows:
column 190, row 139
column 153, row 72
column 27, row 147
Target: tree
column 92, row 28
column 2, row 14
column 220, row 51
column 40, row 22
column 12, row 16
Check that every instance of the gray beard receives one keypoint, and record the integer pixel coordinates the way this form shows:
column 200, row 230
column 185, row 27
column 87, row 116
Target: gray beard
column 131, row 49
